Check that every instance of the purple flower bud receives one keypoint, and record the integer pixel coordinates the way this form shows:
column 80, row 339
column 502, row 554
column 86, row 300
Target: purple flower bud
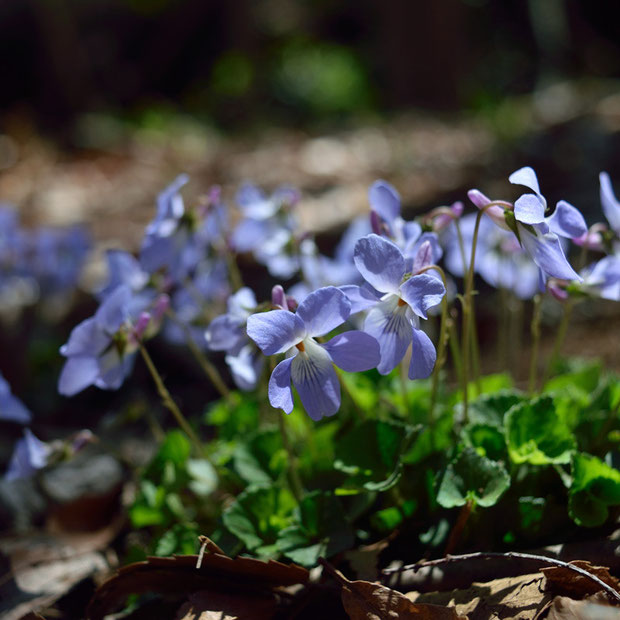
column 424, row 257
column 375, row 223
column 161, row 307
column 141, row 324
column 557, row 288
column 278, row 297
column 496, row 212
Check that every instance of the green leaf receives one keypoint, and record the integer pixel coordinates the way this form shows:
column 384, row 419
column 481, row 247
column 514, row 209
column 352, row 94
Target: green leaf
column 181, row 538
column 472, row 477
column 388, row 519
column 142, row 515
column 235, row 416
column 487, row 439
column 370, row 454
column 490, row 409
column 258, row 515
column 262, row 459
column 175, row 449
column 536, row 434
column 203, row 477
column 321, row 529
column 438, row 438
column 596, row 486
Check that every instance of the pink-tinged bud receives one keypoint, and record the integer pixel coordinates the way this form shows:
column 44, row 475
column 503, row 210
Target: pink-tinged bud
column 457, row 209
column 593, row 238
column 81, row 439
column 375, row 223
column 557, row 288
column 141, row 324
column 496, row 212
column 278, row 297
column 214, row 194
column 423, row 258
column 161, row 307
column 291, row 304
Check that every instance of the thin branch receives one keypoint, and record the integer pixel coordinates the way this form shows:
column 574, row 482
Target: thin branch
column 612, row 594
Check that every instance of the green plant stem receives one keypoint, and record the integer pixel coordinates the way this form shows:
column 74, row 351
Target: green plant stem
column 233, row 269
column 535, row 330
column 444, row 335
column 209, row 369
column 402, row 380
column 502, row 329
column 455, row 349
column 293, row 474
column 168, row 402
column 559, row 340
column 467, row 301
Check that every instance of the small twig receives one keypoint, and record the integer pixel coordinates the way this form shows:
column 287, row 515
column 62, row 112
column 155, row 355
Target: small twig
column 612, row 594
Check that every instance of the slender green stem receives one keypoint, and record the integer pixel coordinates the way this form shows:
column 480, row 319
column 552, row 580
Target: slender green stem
column 559, row 340
column 293, row 474
column 209, row 369
column 169, row 402
column 535, row 330
column 402, row 380
column 455, row 349
column 233, row 269
column 444, row 335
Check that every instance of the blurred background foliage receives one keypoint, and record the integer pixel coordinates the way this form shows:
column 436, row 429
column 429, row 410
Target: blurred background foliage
column 290, row 62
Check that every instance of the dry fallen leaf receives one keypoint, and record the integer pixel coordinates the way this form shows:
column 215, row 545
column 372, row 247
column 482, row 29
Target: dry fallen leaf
column 509, row 598
column 596, row 607
column 179, row 576
column 210, row 605
column 564, row 581
column 364, row 600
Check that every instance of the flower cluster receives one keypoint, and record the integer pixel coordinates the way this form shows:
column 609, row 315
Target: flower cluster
column 384, row 278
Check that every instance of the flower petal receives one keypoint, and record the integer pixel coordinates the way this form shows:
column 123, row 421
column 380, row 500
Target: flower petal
column 275, row 331
column 530, row 209
column 280, row 393
column 114, row 310
column 546, row 251
column 611, row 206
column 389, row 324
column 246, row 367
column 380, row 262
column 423, row 355
column 323, row 310
column 422, row 292
column 354, row 351
column 316, row 381
column 224, row 333
column 567, row 221
column 527, row 177
column 384, row 200
column 361, row 297
column 77, row 374
column 86, row 338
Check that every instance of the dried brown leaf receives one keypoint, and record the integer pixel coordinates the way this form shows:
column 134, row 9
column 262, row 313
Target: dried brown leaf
column 596, row 607
column 210, row 605
column 509, row 598
column 179, row 576
column 363, row 600
column 564, row 581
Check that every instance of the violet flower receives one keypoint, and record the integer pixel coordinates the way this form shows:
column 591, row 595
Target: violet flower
column 29, row 455
column 403, row 298
column 309, row 364
column 11, row 408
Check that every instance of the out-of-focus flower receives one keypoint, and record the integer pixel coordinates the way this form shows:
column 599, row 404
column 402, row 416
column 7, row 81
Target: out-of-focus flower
column 11, row 408
column 29, row 455
column 309, row 364
column 101, row 350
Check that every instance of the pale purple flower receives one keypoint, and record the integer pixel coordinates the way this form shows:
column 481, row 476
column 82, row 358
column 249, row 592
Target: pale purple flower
column 29, row 455
column 310, row 364
column 11, row 408
column 227, row 332
column 101, row 350
column 537, row 234
column 399, row 302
